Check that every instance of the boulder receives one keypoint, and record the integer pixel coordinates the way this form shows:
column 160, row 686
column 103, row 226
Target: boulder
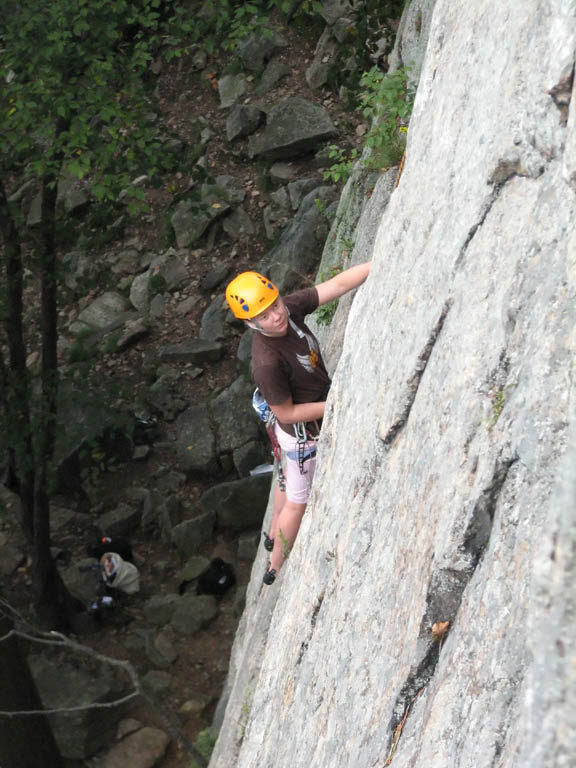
column 194, row 351
column 90, row 434
column 231, row 88
column 11, row 558
column 194, row 612
column 170, row 510
column 171, row 268
column 195, row 705
column 250, row 455
column 344, row 29
column 122, row 521
column 193, row 568
column 297, row 190
column 244, row 351
column 164, row 396
column 160, row 608
column 71, row 682
column 257, row 49
column 332, row 10
column 157, row 306
column 212, row 326
column 227, row 186
column 293, row 128
column 133, row 332
column 144, row 748
column 83, row 579
column 193, row 217
column 107, row 311
column 238, row 504
column 216, row 275
column 79, row 269
column 72, row 194
column 148, row 502
column 248, row 546
column 192, row 534
column 34, row 218
column 280, row 173
column 157, row 683
column 325, row 60
column 238, row 224
column 242, row 121
column 61, row 517
column 126, row 262
column 195, row 441
column 235, row 418
column 275, row 71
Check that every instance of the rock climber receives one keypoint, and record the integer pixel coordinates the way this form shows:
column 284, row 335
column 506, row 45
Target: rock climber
column 288, row 370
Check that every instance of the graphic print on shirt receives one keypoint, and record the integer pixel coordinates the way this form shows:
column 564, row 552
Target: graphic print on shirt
column 310, row 361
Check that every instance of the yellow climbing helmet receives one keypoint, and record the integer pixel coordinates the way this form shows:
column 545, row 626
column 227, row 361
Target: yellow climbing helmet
column 249, row 294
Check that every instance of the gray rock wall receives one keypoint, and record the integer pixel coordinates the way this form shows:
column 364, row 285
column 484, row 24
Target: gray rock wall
column 445, row 490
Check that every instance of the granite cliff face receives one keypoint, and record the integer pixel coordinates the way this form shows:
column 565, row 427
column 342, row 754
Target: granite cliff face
column 446, row 489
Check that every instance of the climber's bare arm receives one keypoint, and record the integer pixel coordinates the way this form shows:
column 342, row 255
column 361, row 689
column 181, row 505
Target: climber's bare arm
column 290, row 413
column 342, row 283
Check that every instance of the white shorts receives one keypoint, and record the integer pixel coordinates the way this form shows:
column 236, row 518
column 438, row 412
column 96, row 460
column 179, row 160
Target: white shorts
column 297, row 483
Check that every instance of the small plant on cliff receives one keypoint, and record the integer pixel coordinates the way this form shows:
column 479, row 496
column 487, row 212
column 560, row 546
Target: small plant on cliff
column 342, row 168
column 285, row 544
column 498, row 403
column 204, row 744
column 325, row 313
column 386, row 100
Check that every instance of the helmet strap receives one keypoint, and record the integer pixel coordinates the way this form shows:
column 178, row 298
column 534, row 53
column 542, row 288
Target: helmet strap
column 255, row 325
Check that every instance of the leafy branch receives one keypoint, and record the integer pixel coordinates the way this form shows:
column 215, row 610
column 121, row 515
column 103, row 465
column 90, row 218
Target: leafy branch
column 386, row 100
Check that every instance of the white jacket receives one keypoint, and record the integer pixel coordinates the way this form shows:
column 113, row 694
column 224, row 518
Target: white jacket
column 118, row 574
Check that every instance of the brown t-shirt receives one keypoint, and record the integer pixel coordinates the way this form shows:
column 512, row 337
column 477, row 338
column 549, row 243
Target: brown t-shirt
column 291, row 365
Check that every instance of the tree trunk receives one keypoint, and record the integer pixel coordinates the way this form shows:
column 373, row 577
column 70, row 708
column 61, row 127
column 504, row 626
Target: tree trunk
column 26, row 741
column 54, row 604
column 15, row 390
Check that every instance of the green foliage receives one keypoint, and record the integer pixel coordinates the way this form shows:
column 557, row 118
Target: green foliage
column 498, row 403
column 110, row 344
column 373, row 24
column 224, row 24
column 320, row 205
column 285, row 544
column 348, row 244
column 325, row 313
column 204, row 743
column 342, row 168
column 245, row 20
column 83, row 348
column 157, row 283
column 386, row 100
column 73, row 97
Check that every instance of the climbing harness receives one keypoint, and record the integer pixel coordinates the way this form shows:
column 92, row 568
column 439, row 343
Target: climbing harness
column 302, row 434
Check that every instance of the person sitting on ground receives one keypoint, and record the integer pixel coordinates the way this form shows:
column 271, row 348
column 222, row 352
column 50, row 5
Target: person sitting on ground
column 288, row 369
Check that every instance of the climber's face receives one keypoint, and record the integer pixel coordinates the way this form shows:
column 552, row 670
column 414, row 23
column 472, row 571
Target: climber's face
column 273, row 321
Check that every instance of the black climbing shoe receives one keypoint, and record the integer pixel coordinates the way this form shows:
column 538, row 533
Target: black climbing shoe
column 268, row 542
column 269, row 576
